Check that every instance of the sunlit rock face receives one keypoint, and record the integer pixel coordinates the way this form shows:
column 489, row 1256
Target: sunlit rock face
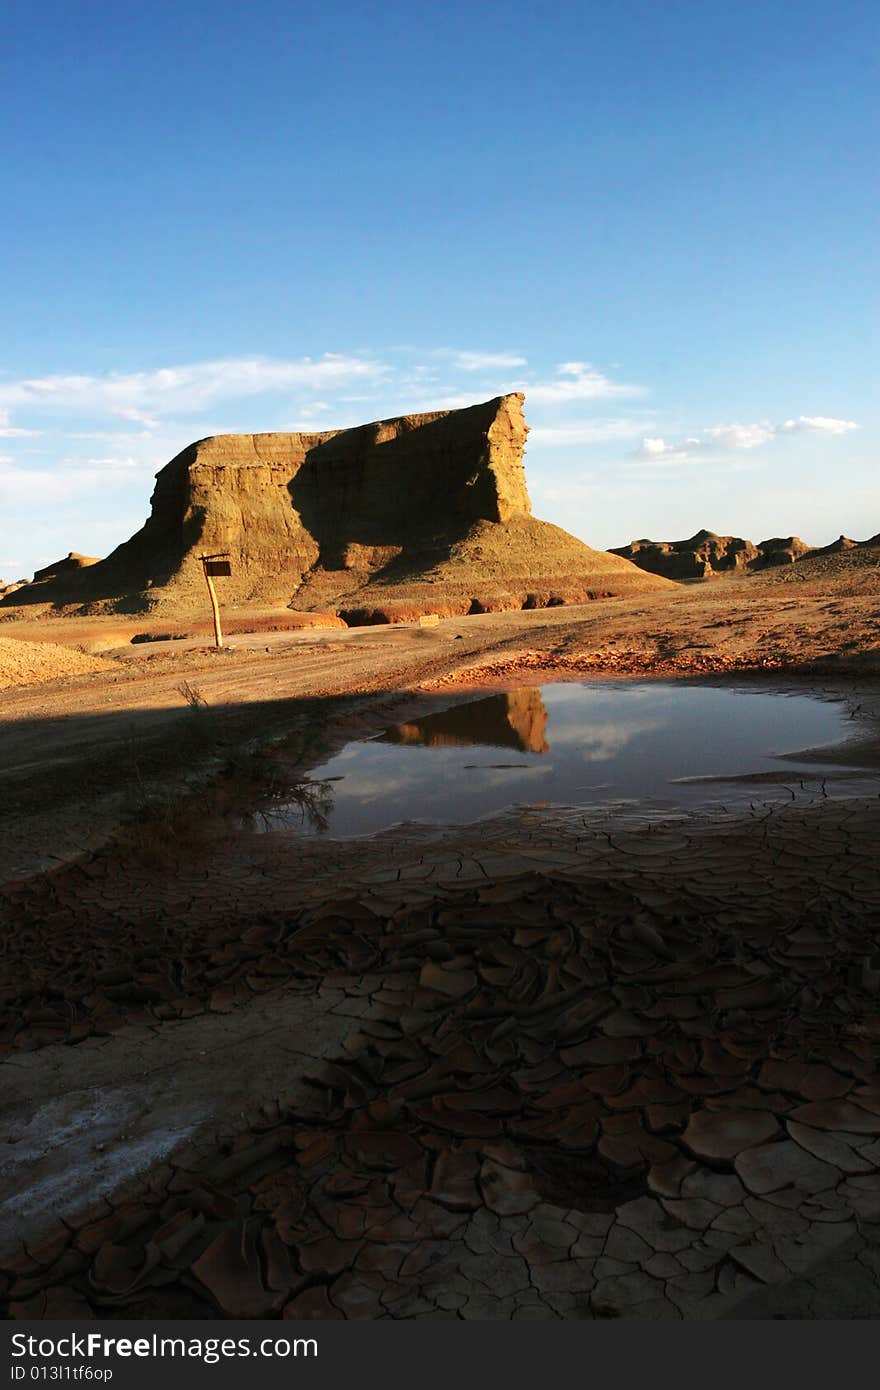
column 353, row 500
column 420, row 513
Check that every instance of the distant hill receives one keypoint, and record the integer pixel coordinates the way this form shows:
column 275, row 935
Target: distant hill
column 846, row 570
column 707, row 555
column 72, row 562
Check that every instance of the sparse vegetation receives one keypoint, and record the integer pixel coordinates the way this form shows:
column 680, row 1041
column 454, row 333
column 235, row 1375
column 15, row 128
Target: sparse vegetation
column 212, row 782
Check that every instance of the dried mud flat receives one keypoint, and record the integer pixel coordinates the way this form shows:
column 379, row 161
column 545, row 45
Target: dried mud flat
column 555, row 1065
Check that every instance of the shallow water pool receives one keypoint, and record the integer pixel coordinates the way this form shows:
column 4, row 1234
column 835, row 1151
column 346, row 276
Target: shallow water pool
column 561, row 744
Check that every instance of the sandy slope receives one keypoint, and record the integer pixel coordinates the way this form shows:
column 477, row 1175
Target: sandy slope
column 31, row 663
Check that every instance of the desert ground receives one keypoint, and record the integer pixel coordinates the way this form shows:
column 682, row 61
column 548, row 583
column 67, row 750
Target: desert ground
column 563, row 1063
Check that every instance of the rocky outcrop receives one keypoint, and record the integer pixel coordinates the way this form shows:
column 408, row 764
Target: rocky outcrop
column 706, row 555
column 780, row 550
column 846, row 568
column 698, row 557
column 427, row 512
column 840, row 545
column 59, row 569
column 69, row 565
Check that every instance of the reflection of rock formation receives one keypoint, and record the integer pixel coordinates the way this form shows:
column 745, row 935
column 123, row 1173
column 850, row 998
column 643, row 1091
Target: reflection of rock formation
column 516, row 720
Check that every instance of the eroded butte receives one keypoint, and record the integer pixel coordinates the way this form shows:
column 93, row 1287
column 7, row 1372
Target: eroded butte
column 422, row 513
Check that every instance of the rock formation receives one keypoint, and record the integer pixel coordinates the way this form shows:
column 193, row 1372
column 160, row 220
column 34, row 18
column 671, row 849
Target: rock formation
column 706, row 555
column 58, row 569
column 780, row 550
column 698, row 557
column 845, row 568
column 410, row 515
column 69, row 565
column 841, row 544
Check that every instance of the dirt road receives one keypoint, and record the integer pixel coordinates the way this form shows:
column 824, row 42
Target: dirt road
column 75, row 752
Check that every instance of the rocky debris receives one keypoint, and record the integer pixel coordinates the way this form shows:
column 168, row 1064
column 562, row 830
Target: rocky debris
column 616, row 661
column 427, row 512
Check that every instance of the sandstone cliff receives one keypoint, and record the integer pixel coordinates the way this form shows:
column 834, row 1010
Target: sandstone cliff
column 418, row 513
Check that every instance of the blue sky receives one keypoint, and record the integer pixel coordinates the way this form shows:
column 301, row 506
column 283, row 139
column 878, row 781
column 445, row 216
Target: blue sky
column 657, row 219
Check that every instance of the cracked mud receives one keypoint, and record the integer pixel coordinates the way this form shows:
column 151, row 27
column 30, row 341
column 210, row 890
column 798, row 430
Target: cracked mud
column 544, row 1067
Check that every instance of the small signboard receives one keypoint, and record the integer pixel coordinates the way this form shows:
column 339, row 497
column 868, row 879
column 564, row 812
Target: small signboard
column 215, row 567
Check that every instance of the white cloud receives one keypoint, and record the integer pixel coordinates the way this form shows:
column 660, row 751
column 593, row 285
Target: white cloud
column 424, row 405
column 603, row 739
column 739, row 436
column 8, row 431
column 114, row 464
column 185, row 390
column 654, row 447
column 138, row 417
column 656, row 450
column 313, row 409
column 585, row 432
column 23, row 486
column 123, row 438
column 486, row 361
column 730, row 438
column 164, row 397
column 818, row 424
column 577, row 381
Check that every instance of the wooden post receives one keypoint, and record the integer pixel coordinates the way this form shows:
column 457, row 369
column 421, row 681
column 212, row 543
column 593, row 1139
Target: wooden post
column 215, row 609
column 211, row 565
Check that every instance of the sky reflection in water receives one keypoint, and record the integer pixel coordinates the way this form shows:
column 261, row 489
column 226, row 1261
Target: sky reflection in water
column 565, row 745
